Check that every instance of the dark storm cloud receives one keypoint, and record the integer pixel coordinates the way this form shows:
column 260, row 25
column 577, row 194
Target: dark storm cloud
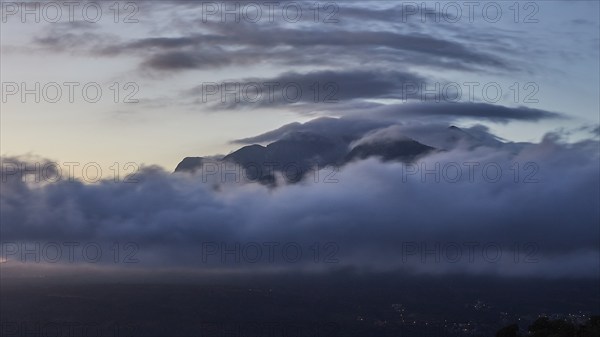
column 201, row 45
column 443, row 111
column 492, row 112
column 182, row 60
column 345, row 92
column 72, row 42
column 372, row 210
column 313, row 87
column 357, row 44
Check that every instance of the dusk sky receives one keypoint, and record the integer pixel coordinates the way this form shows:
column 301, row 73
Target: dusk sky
column 367, row 163
column 555, row 49
column 145, row 85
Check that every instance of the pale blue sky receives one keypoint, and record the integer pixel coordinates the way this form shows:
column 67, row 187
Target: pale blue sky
column 559, row 53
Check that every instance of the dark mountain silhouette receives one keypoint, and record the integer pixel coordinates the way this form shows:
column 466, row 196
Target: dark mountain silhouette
column 248, row 154
column 304, row 149
column 405, row 150
column 189, row 164
column 297, row 153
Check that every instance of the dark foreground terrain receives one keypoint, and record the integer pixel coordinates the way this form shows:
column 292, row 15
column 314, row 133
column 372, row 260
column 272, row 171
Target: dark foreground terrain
column 340, row 304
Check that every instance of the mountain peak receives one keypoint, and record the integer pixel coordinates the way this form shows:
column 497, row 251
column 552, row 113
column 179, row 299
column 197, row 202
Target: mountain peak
column 189, row 164
column 405, row 149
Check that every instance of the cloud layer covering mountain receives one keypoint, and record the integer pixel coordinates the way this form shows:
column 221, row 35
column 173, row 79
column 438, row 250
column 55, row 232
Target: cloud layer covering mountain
column 477, row 204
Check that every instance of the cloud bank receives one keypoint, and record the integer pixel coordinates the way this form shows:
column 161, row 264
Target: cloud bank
column 480, row 206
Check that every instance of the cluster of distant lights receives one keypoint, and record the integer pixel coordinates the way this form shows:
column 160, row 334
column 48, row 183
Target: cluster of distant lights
column 466, row 326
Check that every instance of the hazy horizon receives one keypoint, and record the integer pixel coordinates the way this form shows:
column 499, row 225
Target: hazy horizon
column 382, row 168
